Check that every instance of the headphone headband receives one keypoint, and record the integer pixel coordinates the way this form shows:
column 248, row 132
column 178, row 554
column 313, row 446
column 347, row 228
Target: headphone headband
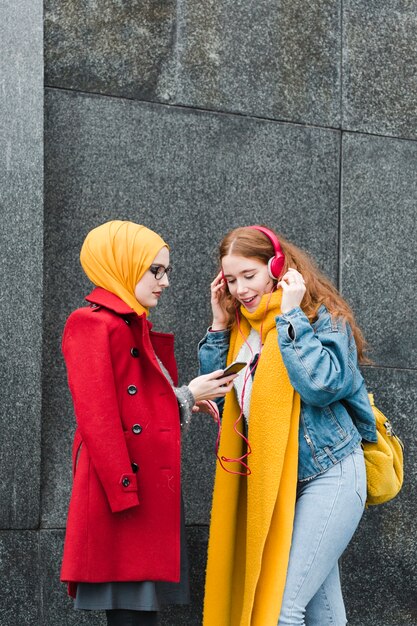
column 275, row 263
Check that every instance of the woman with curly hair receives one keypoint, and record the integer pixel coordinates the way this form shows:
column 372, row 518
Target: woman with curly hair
column 290, row 486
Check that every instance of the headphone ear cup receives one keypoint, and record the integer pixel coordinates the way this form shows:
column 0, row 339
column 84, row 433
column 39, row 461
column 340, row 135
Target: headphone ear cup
column 275, row 265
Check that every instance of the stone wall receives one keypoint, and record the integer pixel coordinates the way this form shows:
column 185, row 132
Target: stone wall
column 21, row 302
column 193, row 118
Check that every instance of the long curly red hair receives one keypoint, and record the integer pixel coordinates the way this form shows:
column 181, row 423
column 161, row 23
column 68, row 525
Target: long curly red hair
column 251, row 243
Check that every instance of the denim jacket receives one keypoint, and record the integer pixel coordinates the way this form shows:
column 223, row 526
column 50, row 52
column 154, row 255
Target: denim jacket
column 321, row 360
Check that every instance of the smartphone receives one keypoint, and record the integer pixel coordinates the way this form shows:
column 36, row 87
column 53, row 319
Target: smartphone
column 233, row 368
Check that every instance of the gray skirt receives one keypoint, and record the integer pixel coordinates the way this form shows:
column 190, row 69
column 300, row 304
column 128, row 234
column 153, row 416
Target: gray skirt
column 147, row 595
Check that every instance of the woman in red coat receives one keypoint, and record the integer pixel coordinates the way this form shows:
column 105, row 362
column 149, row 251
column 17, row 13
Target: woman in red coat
column 124, row 547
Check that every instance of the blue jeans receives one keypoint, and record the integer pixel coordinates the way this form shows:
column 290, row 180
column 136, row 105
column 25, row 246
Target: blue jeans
column 328, row 510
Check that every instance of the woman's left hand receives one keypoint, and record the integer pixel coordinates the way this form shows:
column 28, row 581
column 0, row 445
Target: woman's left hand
column 207, row 406
column 293, row 290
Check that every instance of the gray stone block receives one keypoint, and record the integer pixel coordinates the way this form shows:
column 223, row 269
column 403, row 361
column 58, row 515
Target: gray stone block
column 379, row 573
column 191, row 615
column 191, row 176
column 21, row 233
column 277, row 59
column 378, row 235
column 57, row 606
column 199, row 464
column 380, row 67
column 108, row 47
column 19, row 575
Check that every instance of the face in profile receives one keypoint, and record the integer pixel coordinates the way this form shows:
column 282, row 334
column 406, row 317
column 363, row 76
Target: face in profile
column 247, row 279
column 151, row 285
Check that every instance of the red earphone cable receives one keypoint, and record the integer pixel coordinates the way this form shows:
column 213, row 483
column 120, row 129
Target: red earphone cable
column 240, row 459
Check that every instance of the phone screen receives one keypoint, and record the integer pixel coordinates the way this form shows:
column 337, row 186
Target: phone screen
column 234, row 368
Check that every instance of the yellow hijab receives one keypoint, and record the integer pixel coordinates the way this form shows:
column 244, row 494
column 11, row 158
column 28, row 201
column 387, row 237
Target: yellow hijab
column 116, row 255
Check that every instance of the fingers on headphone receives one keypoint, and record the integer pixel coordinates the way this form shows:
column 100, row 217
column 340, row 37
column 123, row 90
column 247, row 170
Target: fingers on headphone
column 293, row 275
column 217, row 280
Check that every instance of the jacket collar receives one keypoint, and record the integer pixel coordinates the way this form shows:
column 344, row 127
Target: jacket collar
column 109, row 300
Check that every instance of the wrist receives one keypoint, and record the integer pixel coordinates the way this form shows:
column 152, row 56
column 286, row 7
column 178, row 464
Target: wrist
column 191, row 388
column 218, row 326
column 290, row 309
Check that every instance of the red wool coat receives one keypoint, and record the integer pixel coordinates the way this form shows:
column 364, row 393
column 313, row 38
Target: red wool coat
column 124, row 514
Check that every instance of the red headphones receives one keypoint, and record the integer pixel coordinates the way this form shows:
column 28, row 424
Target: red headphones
column 275, row 263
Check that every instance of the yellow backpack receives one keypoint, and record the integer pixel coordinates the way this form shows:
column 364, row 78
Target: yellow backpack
column 383, row 460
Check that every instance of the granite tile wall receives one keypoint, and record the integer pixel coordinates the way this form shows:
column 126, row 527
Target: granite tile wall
column 21, row 235
column 170, row 169
column 379, row 570
column 377, row 276
column 20, row 596
column 378, row 234
column 277, row 59
column 194, row 118
column 109, row 47
column 379, row 67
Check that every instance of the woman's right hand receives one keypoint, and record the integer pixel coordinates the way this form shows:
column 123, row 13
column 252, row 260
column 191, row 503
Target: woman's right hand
column 293, row 289
column 210, row 386
column 220, row 316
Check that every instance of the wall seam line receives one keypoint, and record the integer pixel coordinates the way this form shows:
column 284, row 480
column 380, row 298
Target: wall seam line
column 236, row 114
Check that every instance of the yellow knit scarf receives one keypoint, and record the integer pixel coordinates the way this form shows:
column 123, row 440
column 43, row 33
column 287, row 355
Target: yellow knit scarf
column 252, row 517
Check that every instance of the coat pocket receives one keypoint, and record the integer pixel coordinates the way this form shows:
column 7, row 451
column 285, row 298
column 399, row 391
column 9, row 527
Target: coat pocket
column 76, row 449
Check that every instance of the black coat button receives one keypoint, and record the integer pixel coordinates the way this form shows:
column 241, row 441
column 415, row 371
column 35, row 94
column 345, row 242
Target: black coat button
column 136, row 429
column 132, row 389
column 134, row 352
column 125, row 482
column 127, row 321
column 135, row 467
